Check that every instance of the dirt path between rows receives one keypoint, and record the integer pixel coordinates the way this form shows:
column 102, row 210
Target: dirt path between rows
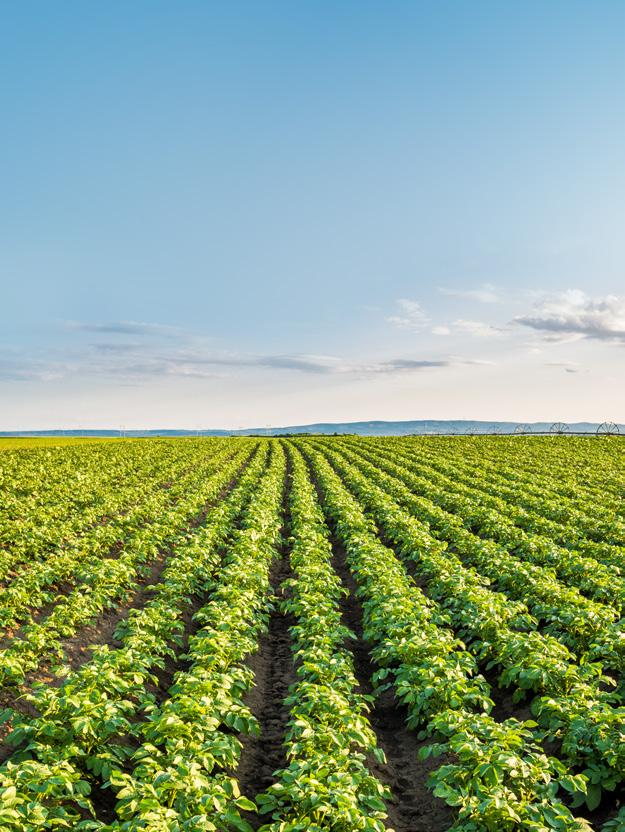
column 415, row 809
column 273, row 672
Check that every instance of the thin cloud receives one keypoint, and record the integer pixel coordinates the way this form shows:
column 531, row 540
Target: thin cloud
column 117, row 348
column 125, row 362
column 476, row 329
column 412, row 316
column 303, row 363
column 330, row 365
column 139, row 328
column 26, row 369
column 412, row 364
column 394, row 366
column 567, row 366
column 160, row 368
column 574, row 315
column 486, row 293
column 472, row 362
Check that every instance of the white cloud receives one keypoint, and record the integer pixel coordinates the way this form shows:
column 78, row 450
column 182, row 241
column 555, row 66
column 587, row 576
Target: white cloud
column 472, row 362
column 573, row 315
column 412, row 316
column 486, row 293
column 131, row 354
column 567, row 366
column 476, row 329
column 398, row 365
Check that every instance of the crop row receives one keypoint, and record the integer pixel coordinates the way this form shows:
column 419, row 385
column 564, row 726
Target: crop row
column 54, row 499
column 108, row 581
column 489, row 519
column 38, row 583
column 327, row 784
column 181, row 777
column 535, row 509
column 88, row 725
column 572, row 707
column 587, row 626
column 584, row 471
column 500, row 778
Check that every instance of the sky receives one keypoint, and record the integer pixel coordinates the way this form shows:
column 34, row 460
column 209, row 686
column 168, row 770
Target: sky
column 233, row 214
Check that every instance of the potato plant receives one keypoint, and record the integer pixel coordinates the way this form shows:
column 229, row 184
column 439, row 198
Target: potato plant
column 138, row 583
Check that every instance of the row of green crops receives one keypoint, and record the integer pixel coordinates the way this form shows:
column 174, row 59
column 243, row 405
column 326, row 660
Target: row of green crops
column 573, row 707
column 486, row 569
column 490, row 511
column 100, row 583
column 501, row 779
column 585, row 625
column 534, row 500
column 57, row 497
column 327, row 783
column 73, row 563
column 583, row 472
column 181, row 774
column 87, row 726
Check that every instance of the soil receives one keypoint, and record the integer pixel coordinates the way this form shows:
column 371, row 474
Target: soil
column 607, row 810
column 12, row 699
column 78, row 648
column 176, row 664
column 505, row 706
column 273, row 672
column 414, row 808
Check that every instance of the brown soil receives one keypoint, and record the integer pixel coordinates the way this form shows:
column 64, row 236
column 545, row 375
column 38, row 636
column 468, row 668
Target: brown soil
column 414, row 808
column 178, row 663
column 273, row 672
column 505, row 706
column 78, row 649
column 9, row 699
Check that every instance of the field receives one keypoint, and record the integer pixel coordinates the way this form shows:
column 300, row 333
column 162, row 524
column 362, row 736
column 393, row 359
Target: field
column 11, row 443
column 418, row 634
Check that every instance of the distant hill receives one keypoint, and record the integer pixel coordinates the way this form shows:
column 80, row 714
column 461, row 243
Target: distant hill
column 424, row 426
column 373, row 428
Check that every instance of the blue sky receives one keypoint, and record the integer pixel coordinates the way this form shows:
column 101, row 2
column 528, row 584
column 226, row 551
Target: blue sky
column 242, row 213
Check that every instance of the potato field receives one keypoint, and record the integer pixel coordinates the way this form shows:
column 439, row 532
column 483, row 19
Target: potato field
column 415, row 634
